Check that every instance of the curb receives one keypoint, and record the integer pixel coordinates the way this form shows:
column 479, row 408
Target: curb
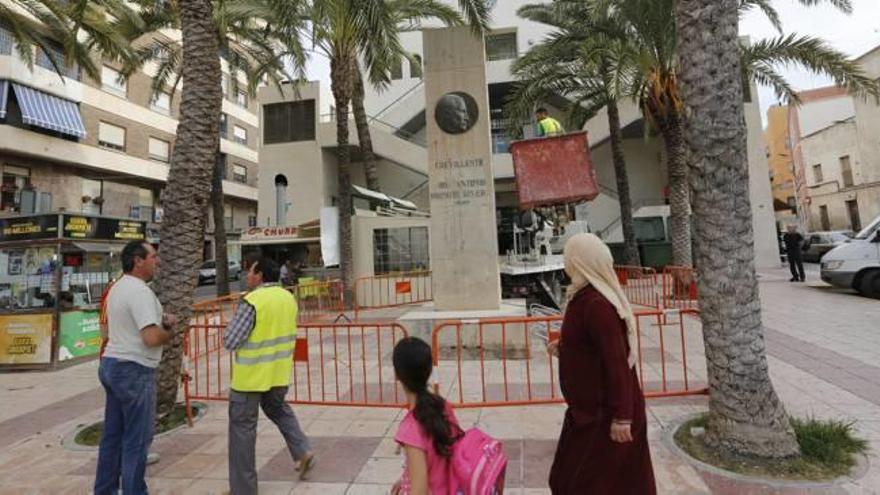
column 69, row 439
column 858, row 472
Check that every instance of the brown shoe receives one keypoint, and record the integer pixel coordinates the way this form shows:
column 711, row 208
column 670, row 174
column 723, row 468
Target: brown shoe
column 306, row 465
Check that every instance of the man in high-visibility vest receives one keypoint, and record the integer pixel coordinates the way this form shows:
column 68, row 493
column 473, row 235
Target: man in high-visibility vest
column 547, row 125
column 262, row 335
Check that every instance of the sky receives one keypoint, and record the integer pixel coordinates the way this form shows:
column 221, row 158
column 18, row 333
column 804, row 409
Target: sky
column 852, row 34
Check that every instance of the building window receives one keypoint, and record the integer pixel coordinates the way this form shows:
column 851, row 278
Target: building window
column 224, row 85
column 823, row 218
column 415, row 66
column 6, row 41
column 224, row 126
column 161, row 102
column 144, row 209
column 227, row 217
column 111, row 136
column 846, row 171
column 817, row 173
column 501, row 46
column 239, row 173
column 852, row 210
column 14, row 180
column 113, row 82
column 289, row 122
column 241, row 98
column 91, row 191
column 397, row 69
column 252, row 220
column 159, row 149
column 400, row 250
column 56, row 53
column 239, row 134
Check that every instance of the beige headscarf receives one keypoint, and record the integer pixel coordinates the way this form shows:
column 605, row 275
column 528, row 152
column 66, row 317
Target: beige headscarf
column 588, row 261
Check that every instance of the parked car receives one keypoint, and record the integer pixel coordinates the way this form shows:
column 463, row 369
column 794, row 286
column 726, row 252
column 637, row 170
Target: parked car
column 856, row 264
column 822, row 242
column 208, row 271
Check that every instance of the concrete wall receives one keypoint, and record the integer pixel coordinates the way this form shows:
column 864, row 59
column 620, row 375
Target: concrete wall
column 300, row 162
column 868, row 122
column 763, row 218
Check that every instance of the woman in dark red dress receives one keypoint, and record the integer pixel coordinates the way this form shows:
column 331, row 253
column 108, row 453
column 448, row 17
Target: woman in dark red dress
column 603, row 447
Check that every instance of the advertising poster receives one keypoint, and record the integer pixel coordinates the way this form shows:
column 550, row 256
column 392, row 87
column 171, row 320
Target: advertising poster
column 80, row 334
column 26, row 339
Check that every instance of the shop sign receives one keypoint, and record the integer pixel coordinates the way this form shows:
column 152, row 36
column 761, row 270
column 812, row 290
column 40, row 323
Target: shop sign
column 265, row 233
column 26, row 339
column 29, row 228
column 80, row 334
column 82, row 227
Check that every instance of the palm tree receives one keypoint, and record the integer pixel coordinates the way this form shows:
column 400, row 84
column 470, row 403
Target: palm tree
column 591, row 69
column 746, row 416
column 366, row 32
column 82, row 28
column 257, row 38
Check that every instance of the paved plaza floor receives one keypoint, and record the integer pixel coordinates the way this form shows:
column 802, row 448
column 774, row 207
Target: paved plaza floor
column 823, row 345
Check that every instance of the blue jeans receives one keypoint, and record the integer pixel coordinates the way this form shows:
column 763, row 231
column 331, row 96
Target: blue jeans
column 129, row 414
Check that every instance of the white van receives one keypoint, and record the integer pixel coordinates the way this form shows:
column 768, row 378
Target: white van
column 856, row 264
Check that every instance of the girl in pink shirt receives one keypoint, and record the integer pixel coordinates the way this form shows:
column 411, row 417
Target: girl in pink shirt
column 429, row 429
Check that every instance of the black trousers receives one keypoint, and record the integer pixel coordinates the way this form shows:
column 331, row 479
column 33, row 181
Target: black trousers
column 796, row 265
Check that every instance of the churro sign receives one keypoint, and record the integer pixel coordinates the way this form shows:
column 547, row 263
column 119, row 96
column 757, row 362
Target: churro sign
column 266, row 233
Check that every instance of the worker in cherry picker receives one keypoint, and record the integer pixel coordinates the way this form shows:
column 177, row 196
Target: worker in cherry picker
column 547, row 125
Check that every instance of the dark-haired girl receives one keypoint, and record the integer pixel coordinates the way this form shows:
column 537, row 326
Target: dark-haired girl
column 429, row 429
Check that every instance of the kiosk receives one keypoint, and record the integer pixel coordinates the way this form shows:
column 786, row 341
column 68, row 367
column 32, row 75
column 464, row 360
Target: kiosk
column 53, row 269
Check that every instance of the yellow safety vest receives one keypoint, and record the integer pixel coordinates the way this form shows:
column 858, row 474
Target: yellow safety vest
column 266, row 359
column 550, row 127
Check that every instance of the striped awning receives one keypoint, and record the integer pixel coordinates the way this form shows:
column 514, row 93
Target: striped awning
column 49, row 112
column 4, row 95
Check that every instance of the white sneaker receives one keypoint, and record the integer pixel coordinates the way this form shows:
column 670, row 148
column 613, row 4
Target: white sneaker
column 152, row 458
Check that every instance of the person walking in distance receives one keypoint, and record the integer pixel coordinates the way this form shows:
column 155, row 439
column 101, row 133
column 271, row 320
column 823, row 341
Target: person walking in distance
column 262, row 335
column 137, row 330
column 794, row 243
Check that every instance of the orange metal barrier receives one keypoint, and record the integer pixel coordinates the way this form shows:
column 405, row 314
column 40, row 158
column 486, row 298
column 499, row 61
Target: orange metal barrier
column 315, row 300
column 639, row 284
column 503, row 362
column 388, row 291
column 340, row 364
column 679, row 288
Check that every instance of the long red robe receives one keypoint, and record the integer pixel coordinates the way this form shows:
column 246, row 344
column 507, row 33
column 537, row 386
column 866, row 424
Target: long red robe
column 599, row 386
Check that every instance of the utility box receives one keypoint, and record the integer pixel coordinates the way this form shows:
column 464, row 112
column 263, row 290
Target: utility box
column 554, row 170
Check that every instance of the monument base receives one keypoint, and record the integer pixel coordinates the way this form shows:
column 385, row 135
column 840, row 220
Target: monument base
column 510, row 340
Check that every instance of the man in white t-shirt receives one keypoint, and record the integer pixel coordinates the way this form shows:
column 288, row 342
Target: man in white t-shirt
column 137, row 331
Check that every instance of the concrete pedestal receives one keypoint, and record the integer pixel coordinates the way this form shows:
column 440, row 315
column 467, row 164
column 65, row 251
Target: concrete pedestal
column 509, row 341
column 464, row 245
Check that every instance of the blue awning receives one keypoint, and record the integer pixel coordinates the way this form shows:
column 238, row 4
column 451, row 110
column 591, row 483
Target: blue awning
column 49, row 112
column 4, row 95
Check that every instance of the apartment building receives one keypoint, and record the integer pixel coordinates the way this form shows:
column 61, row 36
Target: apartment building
column 779, row 160
column 840, row 158
column 103, row 146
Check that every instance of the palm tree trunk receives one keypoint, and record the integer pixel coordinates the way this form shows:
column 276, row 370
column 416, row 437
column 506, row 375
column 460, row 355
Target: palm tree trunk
column 363, row 130
column 341, row 75
column 189, row 184
column 679, row 202
column 220, row 254
column 630, row 247
column 745, row 414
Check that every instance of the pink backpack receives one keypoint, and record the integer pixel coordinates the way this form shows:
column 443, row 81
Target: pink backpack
column 477, row 466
